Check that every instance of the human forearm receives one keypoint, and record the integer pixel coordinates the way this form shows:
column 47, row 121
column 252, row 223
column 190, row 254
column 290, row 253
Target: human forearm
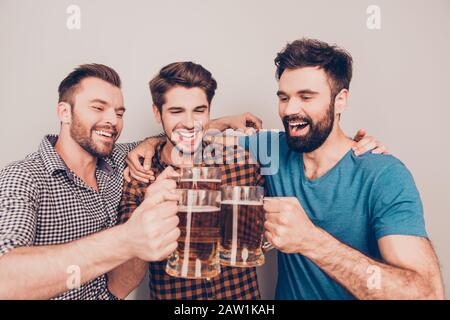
column 42, row 272
column 354, row 271
column 126, row 277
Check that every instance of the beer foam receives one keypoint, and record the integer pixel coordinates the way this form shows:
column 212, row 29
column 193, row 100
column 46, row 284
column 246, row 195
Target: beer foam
column 242, row 203
column 198, row 209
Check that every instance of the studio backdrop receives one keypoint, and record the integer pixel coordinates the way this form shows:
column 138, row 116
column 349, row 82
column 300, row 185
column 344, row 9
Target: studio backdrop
column 399, row 92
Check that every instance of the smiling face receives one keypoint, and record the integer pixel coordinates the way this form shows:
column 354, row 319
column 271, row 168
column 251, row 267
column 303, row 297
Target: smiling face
column 97, row 116
column 183, row 117
column 306, row 107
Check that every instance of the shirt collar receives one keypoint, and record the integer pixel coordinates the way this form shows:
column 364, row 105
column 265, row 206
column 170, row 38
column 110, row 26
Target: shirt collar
column 53, row 162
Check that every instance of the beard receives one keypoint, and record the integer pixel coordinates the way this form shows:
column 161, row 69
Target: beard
column 317, row 132
column 83, row 136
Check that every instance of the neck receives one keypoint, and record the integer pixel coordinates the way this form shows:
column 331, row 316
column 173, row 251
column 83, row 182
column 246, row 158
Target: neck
column 78, row 160
column 321, row 160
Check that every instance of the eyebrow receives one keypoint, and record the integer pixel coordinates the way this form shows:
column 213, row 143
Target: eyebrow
column 98, row 101
column 183, row 108
column 304, row 91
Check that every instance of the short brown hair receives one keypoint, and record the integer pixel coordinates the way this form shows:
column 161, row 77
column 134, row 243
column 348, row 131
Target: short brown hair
column 335, row 61
column 69, row 85
column 186, row 74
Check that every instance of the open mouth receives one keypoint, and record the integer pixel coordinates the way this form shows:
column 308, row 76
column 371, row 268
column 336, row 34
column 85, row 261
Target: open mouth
column 187, row 136
column 104, row 134
column 298, row 127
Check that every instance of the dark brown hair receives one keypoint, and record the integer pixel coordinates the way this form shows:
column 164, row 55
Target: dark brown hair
column 69, row 85
column 335, row 61
column 186, row 74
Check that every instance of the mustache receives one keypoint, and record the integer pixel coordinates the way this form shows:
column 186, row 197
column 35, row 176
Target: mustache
column 297, row 118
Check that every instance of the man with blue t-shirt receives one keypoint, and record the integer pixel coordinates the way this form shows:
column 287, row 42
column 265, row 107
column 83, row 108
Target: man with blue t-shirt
column 347, row 227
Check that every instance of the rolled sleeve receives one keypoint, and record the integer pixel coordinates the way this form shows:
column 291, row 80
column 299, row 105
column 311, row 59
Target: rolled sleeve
column 18, row 207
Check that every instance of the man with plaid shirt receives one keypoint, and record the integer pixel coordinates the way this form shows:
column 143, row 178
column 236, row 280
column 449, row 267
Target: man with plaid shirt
column 182, row 94
column 58, row 207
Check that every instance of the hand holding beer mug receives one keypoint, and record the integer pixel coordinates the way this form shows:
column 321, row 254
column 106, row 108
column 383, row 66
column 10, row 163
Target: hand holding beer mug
column 288, row 226
column 197, row 255
column 242, row 226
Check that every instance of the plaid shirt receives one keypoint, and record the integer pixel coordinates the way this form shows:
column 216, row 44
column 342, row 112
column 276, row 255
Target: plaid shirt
column 232, row 283
column 43, row 203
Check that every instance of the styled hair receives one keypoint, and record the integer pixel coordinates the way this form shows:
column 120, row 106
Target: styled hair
column 70, row 84
column 335, row 61
column 186, row 74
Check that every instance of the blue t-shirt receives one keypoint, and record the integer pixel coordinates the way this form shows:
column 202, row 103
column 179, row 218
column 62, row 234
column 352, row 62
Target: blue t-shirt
column 358, row 201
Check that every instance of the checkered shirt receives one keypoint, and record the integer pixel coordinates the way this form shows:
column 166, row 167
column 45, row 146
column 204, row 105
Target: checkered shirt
column 43, row 203
column 232, row 283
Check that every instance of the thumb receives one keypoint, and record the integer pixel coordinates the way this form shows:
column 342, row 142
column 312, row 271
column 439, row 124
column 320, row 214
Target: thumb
column 359, row 135
column 168, row 173
column 148, row 156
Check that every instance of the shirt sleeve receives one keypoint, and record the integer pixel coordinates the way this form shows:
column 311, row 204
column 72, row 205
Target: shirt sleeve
column 395, row 204
column 125, row 148
column 132, row 196
column 18, row 207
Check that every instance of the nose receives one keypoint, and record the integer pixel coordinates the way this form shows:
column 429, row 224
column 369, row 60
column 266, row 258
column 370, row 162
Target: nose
column 294, row 106
column 189, row 121
column 110, row 116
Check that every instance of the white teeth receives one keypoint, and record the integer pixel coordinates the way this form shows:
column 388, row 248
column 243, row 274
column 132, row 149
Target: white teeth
column 186, row 135
column 103, row 133
column 298, row 124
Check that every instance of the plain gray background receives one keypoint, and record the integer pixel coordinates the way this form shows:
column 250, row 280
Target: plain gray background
column 399, row 92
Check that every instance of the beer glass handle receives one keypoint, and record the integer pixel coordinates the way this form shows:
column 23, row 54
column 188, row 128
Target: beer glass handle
column 266, row 246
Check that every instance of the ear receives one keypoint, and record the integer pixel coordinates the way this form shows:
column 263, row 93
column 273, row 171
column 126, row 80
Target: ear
column 64, row 111
column 340, row 102
column 157, row 114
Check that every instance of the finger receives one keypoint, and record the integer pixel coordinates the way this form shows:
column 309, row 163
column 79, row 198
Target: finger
column 269, row 226
column 138, row 178
column 161, row 185
column 359, row 135
column 361, row 145
column 269, row 237
column 148, row 156
column 380, row 150
column 145, row 175
column 169, row 223
column 134, row 162
column 170, row 248
column 126, row 175
column 172, row 235
column 272, row 218
column 367, row 147
column 168, row 173
column 161, row 197
column 257, row 121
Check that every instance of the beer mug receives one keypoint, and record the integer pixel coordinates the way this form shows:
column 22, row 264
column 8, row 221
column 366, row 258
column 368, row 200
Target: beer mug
column 197, row 255
column 200, row 178
column 242, row 227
